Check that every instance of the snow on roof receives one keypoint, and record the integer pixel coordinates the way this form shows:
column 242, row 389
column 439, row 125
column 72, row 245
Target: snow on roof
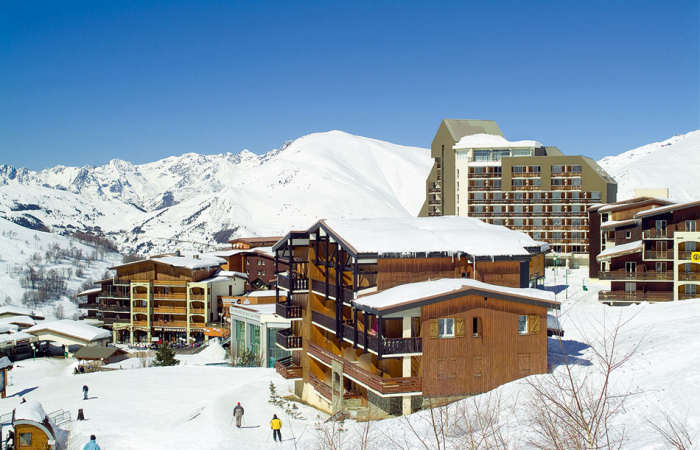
column 5, row 362
column 7, row 327
column 30, row 410
column 262, row 309
column 267, row 251
column 411, row 292
column 633, row 203
column 448, row 234
column 19, row 320
column 630, row 247
column 14, row 337
column 90, row 291
column 668, row 208
column 266, row 293
column 617, row 223
column 492, row 141
column 203, row 260
column 224, row 275
column 73, row 328
column 16, row 310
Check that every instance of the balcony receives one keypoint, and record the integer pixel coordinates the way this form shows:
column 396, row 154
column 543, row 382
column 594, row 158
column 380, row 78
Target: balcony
column 390, row 346
column 197, row 325
column 661, row 254
column 286, row 340
column 196, row 310
column 169, row 323
column 636, row 276
column 288, row 369
column 196, row 296
column 371, row 381
column 329, row 290
column 526, row 175
column 114, row 294
column 288, row 310
column 686, row 255
column 140, row 323
column 434, row 190
column 139, row 309
column 140, row 296
column 622, row 296
column 297, row 284
column 113, row 308
column 434, row 202
column 176, row 296
column 658, row 234
column 688, row 276
column 321, row 387
column 88, row 305
column 323, row 321
column 170, row 310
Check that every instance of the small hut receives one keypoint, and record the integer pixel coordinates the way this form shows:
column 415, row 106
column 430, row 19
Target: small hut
column 92, row 358
column 33, row 430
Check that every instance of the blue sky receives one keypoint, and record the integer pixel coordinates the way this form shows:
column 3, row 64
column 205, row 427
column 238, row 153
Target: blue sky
column 86, row 82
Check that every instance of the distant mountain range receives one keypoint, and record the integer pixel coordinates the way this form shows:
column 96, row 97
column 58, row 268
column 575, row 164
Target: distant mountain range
column 200, row 201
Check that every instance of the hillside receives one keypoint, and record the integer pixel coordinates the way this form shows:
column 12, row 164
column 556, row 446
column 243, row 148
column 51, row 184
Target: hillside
column 668, row 164
column 193, row 200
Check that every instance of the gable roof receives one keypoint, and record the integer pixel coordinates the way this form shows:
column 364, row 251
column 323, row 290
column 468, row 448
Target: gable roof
column 97, row 352
column 412, row 295
column 458, row 128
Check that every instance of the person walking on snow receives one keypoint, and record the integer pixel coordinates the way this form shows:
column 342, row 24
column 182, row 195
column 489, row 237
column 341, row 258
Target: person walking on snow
column 92, row 445
column 276, row 426
column 238, row 414
column 85, row 392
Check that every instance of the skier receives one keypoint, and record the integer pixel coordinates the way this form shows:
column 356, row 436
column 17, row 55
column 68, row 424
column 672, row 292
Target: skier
column 85, row 392
column 92, row 445
column 276, row 426
column 238, row 413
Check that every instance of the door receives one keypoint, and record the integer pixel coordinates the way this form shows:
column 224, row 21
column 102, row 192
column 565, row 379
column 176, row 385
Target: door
column 660, row 226
column 631, row 289
column 660, row 268
column 630, row 268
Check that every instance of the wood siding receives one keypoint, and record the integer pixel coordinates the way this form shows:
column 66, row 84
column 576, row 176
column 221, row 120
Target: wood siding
column 470, row 365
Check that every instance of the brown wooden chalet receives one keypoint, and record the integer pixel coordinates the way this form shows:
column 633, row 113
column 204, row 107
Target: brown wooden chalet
column 252, row 256
column 649, row 250
column 370, row 325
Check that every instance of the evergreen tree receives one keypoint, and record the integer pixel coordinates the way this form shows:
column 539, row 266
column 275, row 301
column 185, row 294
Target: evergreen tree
column 165, row 356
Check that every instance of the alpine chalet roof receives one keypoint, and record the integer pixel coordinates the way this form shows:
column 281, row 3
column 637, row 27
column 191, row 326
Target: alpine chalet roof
column 199, row 261
column 72, row 328
column 669, row 208
column 96, row 352
column 411, row 295
column 619, row 250
column 449, row 234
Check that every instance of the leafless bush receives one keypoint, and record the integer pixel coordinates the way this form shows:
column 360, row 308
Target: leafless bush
column 575, row 408
column 673, row 431
column 477, row 424
column 330, row 435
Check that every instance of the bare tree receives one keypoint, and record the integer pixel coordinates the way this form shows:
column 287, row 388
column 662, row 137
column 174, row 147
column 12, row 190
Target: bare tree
column 575, row 408
column 330, row 435
column 673, row 431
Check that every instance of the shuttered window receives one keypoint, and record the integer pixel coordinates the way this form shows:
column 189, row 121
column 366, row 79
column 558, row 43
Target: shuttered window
column 434, row 328
column 534, row 324
column 459, row 327
column 477, row 327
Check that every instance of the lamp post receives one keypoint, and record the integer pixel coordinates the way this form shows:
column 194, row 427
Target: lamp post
column 33, row 350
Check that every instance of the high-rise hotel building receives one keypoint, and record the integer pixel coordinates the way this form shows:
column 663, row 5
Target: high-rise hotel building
column 522, row 185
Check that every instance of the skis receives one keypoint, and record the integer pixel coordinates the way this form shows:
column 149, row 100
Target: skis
column 250, row 426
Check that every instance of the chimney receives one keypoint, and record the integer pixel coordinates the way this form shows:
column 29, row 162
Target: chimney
column 177, row 253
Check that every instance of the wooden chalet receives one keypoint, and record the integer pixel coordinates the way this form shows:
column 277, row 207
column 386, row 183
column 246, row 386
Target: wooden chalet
column 252, row 256
column 169, row 298
column 351, row 348
column 33, row 430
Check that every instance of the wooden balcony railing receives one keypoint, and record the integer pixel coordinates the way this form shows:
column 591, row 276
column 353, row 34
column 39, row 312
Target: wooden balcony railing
column 197, row 311
column 140, row 323
column 653, row 254
column 140, row 296
column 323, row 320
column 88, row 305
column 648, row 296
column 685, row 296
column 140, row 309
column 287, row 368
column 390, row 346
column 198, row 325
column 196, row 296
column 288, row 310
column 170, row 310
column 170, row 323
column 329, row 290
column 686, row 255
column 320, row 387
column 370, row 380
column 294, row 285
column 525, row 174
column 178, row 296
column 287, row 340
column 658, row 234
column 114, row 294
column 113, row 308
column 624, row 275
column 434, row 190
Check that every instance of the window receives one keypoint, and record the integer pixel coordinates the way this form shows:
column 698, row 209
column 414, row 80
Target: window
column 497, row 209
column 518, row 169
column 518, row 208
column 479, row 196
column 537, row 235
column 537, row 208
column 576, row 168
column 461, row 154
column 628, row 235
column 477, row 327
column 690, row 289
column 576, row 222
column 536, row 169
column 482, row 155
column 25, row 439
column 258, row 272
column 537, row 195
column 557, row 181
column 536, row 182
column 517, row 222
column 517, row 196
column 247, row 261
column 556, row 235
column 596, row 195
column 556, row 208
column 575, row 208
column 630, row 288
column 500, row 154
column 518, row 182
column 478, row 170
column 522, row 152
column 660, row 267
column 630, row 267
column 537, row 222
column 690, row 246
column 496, row 183
column 478, row 209
column 690, row 225
column 446, row 328
column 557, row 169
column 574, row 195
column 576, row 182
column 556, row 195
column 522, row 324
column 498, row 221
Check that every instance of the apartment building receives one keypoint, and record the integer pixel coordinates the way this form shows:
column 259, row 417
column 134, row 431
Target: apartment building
column 379, row 309
column 649, row 250
column 253, row 257
column 522, row 185
column 166, row 297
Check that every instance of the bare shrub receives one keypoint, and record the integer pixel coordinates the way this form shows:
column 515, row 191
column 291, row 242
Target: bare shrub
column 674, row 432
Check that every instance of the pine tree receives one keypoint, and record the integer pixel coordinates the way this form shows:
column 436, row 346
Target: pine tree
column 165, row 356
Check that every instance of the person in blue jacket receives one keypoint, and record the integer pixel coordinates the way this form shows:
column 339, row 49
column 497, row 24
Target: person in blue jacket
column 92, row 445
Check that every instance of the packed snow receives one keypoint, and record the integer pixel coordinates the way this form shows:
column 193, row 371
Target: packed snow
column 190, row 406
column 629, row 247
column 30, row 410
column 72, row 328
column 491, row 141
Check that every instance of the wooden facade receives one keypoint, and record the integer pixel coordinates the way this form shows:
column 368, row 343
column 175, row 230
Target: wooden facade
column 344, row 356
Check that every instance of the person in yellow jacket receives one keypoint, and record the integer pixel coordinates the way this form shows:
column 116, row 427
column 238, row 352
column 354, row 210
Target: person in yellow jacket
column 276, row 426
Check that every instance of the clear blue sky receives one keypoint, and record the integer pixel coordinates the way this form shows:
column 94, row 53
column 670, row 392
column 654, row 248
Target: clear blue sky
column 85, row 82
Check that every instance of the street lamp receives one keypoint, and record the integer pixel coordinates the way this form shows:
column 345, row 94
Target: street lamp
column 33, row 350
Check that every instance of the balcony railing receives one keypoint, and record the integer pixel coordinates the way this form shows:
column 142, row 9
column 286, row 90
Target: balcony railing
column 177, row 296
column 622, row 296
column 320, row 387
column 140, row 295
column 88, row 305
column 384, row 386
column 169, row 323
column 323, row 320
column 294, row 285
column 288, row 310
column 114, row 294
column 196, row 310
column 658, row 234
column 170, row 310
column 624, row 275
column 329, row 289
column 686, row 255
column 390, row 346
column 140, row 309
column 288, row 369
column 196, row 296
column 287, row 340
column 434, row 190
column 113, row 308
column 140, row 323
column 660, row 254
column 198, row 325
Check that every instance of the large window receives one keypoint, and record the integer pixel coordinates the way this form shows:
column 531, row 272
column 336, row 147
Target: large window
column 482, row 155
column 518, row 169
column 500, row 154
column 576, row 168
column 690, row 289
column 557, row 169
column 522, row 152
column 522, row 324
column 446, row 328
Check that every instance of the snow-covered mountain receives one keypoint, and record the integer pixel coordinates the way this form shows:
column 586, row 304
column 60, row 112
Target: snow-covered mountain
column 194, row 200
column 668, row 164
